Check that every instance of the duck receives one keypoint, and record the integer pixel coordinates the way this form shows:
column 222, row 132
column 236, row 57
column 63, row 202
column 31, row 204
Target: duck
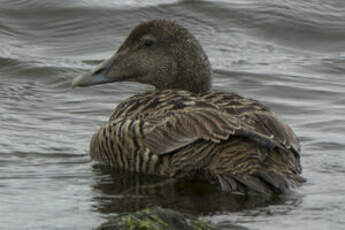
column 183, row 128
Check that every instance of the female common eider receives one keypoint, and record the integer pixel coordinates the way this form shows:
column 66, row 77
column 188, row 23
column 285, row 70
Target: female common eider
column 183, row 128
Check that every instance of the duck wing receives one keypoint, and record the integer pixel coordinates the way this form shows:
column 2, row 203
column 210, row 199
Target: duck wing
column 172, row 130
column 257, row 117
column 169, row 120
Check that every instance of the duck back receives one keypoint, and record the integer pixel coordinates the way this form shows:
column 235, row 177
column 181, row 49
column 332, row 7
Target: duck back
column 219, row 137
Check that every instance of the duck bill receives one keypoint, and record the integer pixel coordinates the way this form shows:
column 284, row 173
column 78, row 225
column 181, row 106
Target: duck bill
column 95, row 77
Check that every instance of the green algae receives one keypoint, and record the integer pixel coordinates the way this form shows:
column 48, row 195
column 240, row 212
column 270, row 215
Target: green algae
column 155, row 219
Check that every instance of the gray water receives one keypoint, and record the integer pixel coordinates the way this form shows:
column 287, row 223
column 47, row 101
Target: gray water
column 288, row 54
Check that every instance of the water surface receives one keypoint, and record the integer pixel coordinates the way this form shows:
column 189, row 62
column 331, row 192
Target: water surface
column 288, row 54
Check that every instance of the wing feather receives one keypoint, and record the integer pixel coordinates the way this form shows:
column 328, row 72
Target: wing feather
column 213, row 117
column 182, row 127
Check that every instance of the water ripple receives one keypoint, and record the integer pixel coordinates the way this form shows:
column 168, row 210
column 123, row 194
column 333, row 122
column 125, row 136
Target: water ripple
column 288, row 54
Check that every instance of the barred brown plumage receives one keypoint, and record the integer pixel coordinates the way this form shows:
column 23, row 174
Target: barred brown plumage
column 183, row 129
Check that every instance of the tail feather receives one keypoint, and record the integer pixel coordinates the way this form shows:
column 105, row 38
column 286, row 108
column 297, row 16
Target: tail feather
column 275, row 179
column 227, row 183
column 241, row 184
column 253, row 183
column 263, row 182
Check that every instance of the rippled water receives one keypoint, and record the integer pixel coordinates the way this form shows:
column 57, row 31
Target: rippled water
column 288, row 54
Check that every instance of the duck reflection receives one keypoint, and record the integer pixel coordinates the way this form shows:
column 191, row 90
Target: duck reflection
column 122, row 191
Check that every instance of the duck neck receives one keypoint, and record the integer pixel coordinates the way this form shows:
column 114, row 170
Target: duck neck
column 193, row 72
column 196, row 80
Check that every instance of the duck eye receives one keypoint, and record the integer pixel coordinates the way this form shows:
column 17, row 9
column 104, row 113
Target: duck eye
column 148, row 42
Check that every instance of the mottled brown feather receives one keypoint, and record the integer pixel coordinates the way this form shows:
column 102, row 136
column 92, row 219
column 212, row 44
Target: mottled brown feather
column 227, row 138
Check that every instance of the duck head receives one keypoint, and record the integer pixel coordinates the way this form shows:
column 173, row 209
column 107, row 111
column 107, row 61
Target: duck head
column 160, row 53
